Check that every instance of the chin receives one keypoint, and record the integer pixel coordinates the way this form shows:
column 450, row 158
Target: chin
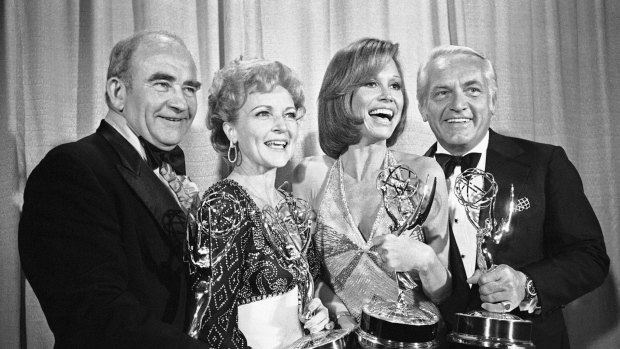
column 278, row 162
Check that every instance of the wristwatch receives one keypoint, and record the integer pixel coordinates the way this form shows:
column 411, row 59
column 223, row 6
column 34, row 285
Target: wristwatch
column 530, row 289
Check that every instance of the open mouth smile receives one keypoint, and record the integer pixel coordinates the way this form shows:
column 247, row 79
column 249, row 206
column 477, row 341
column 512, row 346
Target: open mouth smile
column 280, row 145
column 386, row 114
column 458, row 120
column 173, row 119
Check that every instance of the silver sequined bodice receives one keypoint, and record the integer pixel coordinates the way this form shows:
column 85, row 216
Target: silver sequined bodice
column 350, row 265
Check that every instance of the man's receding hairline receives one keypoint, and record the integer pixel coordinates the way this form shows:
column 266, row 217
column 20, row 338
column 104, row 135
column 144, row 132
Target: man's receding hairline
column 443, row 61
column 154, row 43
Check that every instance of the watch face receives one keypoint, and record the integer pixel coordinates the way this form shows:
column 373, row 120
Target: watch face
column 530, row 288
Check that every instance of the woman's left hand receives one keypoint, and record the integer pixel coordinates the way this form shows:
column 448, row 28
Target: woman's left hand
column 403, row 253
column 319, row 319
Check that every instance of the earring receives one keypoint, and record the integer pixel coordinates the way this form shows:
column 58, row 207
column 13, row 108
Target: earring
column 232, row 146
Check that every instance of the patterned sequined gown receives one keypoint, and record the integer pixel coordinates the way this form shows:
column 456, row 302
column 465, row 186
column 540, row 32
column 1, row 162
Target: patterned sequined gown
column 348, row 263
column 251, row 271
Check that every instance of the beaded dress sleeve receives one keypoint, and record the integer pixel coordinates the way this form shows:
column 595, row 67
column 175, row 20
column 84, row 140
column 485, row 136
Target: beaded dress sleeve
column 220, row 328
column 250, row 272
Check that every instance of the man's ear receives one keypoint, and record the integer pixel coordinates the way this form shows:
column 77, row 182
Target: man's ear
column 230, row 132
column 493, row 104
column 117, row 93
column 422, row 112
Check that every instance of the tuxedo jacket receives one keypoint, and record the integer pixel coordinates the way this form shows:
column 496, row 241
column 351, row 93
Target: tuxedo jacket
column 100, row 241
column 557, row 241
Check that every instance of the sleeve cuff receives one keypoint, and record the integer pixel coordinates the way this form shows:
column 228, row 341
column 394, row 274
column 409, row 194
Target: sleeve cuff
column 530, row 306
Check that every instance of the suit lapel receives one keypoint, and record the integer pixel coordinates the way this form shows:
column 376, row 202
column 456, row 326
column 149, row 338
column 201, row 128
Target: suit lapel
column 503, row 161
column 503, row 164
column 431, row 151
column 148, row 187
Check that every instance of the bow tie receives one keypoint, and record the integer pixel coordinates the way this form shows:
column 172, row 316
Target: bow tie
column 155, row 157
column 449, row 162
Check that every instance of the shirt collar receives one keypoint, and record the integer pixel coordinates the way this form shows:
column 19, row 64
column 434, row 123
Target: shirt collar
column 121, row 126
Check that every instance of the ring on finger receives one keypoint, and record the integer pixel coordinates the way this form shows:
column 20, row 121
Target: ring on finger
column 506, row 306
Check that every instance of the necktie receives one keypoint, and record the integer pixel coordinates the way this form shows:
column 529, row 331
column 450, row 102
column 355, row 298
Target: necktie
column 449, row 162
column 155, row 157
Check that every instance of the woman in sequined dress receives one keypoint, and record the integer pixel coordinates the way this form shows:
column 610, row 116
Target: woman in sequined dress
column 362, row 111
column 254, row 109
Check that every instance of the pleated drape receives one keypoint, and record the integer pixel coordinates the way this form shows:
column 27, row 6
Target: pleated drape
column 557, row 64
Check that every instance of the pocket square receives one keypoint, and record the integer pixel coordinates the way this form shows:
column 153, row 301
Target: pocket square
column 522, row 204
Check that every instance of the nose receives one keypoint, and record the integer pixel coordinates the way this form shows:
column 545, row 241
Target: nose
column 386, row 94
column 279, row 123
column 177, row 101
column 458, row 102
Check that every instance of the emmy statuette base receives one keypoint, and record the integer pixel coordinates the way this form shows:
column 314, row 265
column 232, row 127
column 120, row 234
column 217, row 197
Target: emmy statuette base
column 368, row 341
column 492, row 330
column 386, row 325
column 326, row 339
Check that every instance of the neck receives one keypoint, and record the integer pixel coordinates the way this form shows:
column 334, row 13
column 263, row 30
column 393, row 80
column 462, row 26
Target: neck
column 260, row 186
column 362, row 162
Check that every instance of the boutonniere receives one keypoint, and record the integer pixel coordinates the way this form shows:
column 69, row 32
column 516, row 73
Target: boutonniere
column 186, row 191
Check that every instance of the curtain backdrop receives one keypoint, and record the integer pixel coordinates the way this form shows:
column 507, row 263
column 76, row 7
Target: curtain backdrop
column 557, row 64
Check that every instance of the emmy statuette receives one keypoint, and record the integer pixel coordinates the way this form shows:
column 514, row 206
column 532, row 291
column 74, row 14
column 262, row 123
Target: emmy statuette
column 401, row 324
column 289, row 228
column 476, row 190
column 217, row 217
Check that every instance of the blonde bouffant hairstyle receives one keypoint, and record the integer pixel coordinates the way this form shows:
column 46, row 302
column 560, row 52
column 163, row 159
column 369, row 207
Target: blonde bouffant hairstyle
column 231, row 86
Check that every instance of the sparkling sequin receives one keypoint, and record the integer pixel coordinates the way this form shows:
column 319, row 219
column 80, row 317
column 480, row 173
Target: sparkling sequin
column 250, row 271
column 348, row 263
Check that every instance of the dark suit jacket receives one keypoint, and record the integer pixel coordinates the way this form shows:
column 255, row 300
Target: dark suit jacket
column 100, row 240
column 558, row 241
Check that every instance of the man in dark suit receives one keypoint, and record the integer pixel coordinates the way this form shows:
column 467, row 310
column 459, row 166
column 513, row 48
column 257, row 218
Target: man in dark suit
column 554, row 251
column 101, row 231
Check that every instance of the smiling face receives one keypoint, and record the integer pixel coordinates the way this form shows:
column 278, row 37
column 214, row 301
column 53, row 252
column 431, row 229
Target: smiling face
column 266, row 130
column 379, row 102
column 460, row 104
column 161, row 103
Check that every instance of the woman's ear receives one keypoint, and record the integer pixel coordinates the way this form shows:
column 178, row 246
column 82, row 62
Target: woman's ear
column 117, row 93
column 230, row 132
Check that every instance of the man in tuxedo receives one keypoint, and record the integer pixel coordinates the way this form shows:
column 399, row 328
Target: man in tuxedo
column 554, row 251
column 102, row 227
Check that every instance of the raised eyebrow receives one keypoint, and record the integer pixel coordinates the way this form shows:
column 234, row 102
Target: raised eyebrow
column 268, row 107
column 161, row 76
column 440, row 87
column 193, row 83
column 473, row 82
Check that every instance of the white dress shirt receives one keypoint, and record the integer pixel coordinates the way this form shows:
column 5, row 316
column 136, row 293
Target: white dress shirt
column 464, row 231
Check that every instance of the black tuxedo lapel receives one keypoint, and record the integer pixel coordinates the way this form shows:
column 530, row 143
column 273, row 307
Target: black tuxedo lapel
column 148, row 187
column 431, row 151
column 504, row 164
